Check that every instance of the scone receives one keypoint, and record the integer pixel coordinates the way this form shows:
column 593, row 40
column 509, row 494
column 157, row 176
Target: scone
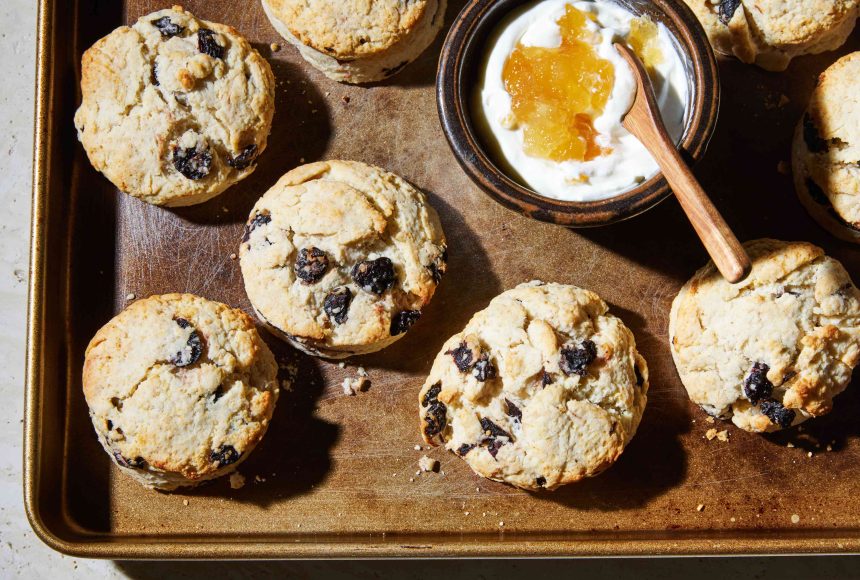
column 339, row 257
column 826, row 151
column 770, row 33
column 174, row 109
column 773, row 350
column 358, row 41
column 542, row 388
column 180, row 389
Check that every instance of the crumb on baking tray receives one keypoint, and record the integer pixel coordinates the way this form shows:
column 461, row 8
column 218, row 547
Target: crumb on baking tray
column 428, row 464
column 237, row 480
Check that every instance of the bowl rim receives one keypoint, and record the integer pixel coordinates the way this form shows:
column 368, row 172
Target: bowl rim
column 453, row 105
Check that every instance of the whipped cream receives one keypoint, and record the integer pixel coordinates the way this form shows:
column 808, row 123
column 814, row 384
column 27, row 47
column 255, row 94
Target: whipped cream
column 629, row 163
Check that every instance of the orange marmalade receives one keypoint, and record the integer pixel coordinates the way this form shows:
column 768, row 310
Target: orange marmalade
column 557, row 93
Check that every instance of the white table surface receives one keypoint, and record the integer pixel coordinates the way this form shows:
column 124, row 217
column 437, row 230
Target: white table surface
column 22, row 555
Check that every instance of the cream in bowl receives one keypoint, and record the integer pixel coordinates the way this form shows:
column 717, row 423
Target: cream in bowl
column 552, row 91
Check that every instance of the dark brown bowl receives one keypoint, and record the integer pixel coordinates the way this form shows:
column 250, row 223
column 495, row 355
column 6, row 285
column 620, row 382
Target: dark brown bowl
column 462, row 52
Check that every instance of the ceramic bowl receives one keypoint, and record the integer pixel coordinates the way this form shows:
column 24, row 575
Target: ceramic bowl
column 462, row 54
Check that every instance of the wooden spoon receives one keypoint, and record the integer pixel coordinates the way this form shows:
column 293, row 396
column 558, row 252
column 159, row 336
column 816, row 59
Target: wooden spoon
column 643, row 120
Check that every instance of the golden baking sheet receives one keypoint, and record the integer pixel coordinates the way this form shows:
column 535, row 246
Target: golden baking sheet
column 335, row 476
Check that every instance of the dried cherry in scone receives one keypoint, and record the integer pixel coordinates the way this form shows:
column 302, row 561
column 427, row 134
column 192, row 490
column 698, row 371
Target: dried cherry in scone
column 136, row 463
column 465, row 448
column 777, row 413
column 207, row 45
column 192, row 162
column 513, row 411
column 812, row 137
column 464, row 357
column 756, row 385
column 494, row 436
column 484, row 370
column 192, row 350
column 166, row 27
column 403, row 321
column 575, row 360
column 727, row 10
column 436, row 418
column 374, row 276
column 439, row 266
column 259, row 219
column 311, row 264
column 224, row 455
column 336, row 304
column 245, row 158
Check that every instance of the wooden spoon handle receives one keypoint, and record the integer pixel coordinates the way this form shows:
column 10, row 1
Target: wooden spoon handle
column 725, row 249
column 645, row 123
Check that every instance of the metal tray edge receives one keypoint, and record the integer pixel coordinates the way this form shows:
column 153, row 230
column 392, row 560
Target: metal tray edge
column 99, row 547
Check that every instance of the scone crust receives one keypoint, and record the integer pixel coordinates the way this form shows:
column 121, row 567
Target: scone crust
column 353, row 213
column 826, row 150
column 349, row 29
column 165, row 417
column 549, row 424
column 796, row 318
column 358, row 41
column 147, row 95
column 770, row 33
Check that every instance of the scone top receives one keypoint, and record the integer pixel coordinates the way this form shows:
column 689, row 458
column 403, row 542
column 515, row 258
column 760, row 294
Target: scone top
column 180, row 388
column 832, row 123
column 340, row 257
column 174, row 109
column 542, row 388
column 772, row 351
column 350, row 29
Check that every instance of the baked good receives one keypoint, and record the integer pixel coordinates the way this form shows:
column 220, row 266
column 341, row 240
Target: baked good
column 180, row 389
column 542, row 388
column 770, row 33
column 174, row 109
column 339, row 257
column 358, row 41
column 773, row 350
column 826, row 151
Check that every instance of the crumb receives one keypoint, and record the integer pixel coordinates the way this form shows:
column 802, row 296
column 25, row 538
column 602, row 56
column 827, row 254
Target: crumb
column 710, row 420
column 477, row 489
column 327, row 93
column 782, row 167
column 795, row 518
column 275, row 47
column 829, row 448
column 711, row 434
column 723, row 436
column 301, row 159
column 412, row 479
column 809, row 454
column 465, row 513
column 700, row 507
column 783, row 100
column 417, row 448
column 790, row 445
column 361, row 372
column 732, row 519
column 347, row 387
column 259, row 479
column 224, row 209
column 501, row 524
column 233, row 256
column 286, row 385
column 237, row 480
column 184, row 502
column 314, row 111
column 428, row 464
column 362, row 384
column 346, row 99
column 130, row 296
column 341, row 364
